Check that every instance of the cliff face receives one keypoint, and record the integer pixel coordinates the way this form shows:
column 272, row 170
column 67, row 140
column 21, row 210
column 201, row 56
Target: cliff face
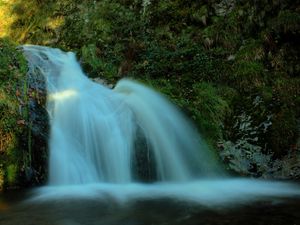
column 231, row 66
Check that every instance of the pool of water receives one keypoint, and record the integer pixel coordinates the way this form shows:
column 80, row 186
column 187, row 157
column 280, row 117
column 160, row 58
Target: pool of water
column 160, row 211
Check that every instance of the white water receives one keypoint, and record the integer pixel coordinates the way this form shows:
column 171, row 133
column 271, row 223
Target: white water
column 211, row 193
column 94, row 131
column 94, row 128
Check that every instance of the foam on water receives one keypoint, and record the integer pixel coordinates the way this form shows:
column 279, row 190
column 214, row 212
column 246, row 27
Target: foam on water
column 223, row 192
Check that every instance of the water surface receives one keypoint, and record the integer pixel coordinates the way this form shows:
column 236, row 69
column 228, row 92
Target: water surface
column 108, row 209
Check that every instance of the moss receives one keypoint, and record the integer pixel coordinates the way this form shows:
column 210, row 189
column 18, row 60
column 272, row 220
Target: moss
column 11, row 74
column 12, row 174
column 16, row 138
column 248, row 75
column 210, row 110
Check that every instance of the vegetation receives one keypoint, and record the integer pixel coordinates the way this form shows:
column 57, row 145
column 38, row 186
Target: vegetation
column 232, row 66
column 20, row 125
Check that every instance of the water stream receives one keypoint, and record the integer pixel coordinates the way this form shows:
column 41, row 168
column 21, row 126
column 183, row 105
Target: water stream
column 94, row 130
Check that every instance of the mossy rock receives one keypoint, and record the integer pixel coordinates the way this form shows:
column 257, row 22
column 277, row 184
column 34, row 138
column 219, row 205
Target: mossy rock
column 16, row 129
column 12, row 71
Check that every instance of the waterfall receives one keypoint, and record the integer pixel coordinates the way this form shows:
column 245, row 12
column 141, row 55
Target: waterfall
column 94, row 129
column 104, row 142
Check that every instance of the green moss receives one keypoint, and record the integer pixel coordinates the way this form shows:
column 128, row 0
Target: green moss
column 210, row 110
column 248, row 75
column 12, row 174
column 12, row 120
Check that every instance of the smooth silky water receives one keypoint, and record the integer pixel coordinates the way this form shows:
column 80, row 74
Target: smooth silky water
column 98, row 138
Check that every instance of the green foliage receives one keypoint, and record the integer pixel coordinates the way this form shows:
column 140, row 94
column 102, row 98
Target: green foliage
column 12, row 70
column 13, row 67
column 184, row 60
column 251, row 50
column 210, row 110
column 248, row 75
column 16, row 118
column 96, row 66
column 37, row 29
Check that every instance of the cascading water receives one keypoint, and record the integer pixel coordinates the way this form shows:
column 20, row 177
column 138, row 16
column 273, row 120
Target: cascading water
column 95, row 131
column 94, row 128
